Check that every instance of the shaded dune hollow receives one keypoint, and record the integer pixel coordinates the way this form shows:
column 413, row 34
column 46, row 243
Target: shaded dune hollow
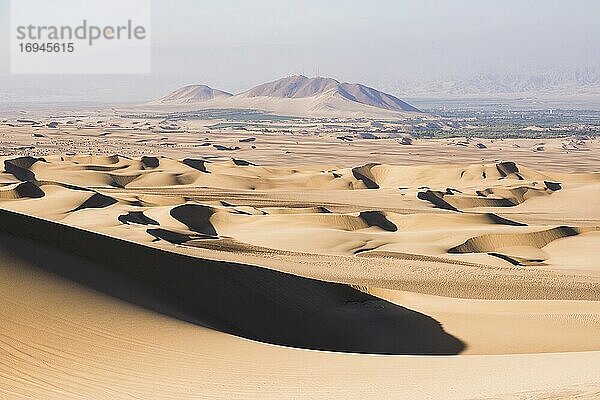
column 510, row 185
column 243, row 300
column 492, row 242
column 20, row 167
column 21, row 190
column 519, row 249
column 490, row 197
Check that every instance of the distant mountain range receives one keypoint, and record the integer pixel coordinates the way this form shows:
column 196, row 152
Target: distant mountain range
column 557, row 84
column 296, row 95
column 580, row 85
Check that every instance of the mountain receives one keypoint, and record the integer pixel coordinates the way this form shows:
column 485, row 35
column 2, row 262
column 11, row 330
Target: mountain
column 581, row 82
column 193, row 94
column 296, row 95
column 299, row 86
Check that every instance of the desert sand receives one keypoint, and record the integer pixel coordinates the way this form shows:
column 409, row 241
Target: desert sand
column 274, row 143
column 145, row 260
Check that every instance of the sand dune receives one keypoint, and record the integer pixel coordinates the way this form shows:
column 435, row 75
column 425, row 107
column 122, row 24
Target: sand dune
column 285, row 309
column 335, row 225
column 20, row 190
column 490, row 262
column 63, row 340
column 518, row 247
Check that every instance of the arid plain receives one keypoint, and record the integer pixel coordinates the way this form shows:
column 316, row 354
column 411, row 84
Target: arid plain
column 142, row 258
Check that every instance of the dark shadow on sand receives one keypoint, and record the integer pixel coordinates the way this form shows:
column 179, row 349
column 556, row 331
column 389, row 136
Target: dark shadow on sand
column 243, row 300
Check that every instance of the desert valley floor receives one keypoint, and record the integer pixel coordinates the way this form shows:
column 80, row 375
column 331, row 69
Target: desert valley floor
column 196, row 263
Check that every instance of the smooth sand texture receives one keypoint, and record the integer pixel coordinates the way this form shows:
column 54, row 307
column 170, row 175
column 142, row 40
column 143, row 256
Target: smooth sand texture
column 61, row 340
column 180, row 260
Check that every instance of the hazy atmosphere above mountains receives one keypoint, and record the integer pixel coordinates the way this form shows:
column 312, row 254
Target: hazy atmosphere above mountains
column 405, row 48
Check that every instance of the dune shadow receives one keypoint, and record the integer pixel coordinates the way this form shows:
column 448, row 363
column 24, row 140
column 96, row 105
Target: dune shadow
column 20, row 167
column 199, row 165
column 196, row 217
column 243, row 300
column 364, row 174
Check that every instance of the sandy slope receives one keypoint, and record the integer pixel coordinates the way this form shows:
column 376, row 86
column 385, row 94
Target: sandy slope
column 63, row 341
column 494, row 261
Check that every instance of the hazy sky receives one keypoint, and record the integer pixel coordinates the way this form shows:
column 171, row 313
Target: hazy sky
column 234, row 44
